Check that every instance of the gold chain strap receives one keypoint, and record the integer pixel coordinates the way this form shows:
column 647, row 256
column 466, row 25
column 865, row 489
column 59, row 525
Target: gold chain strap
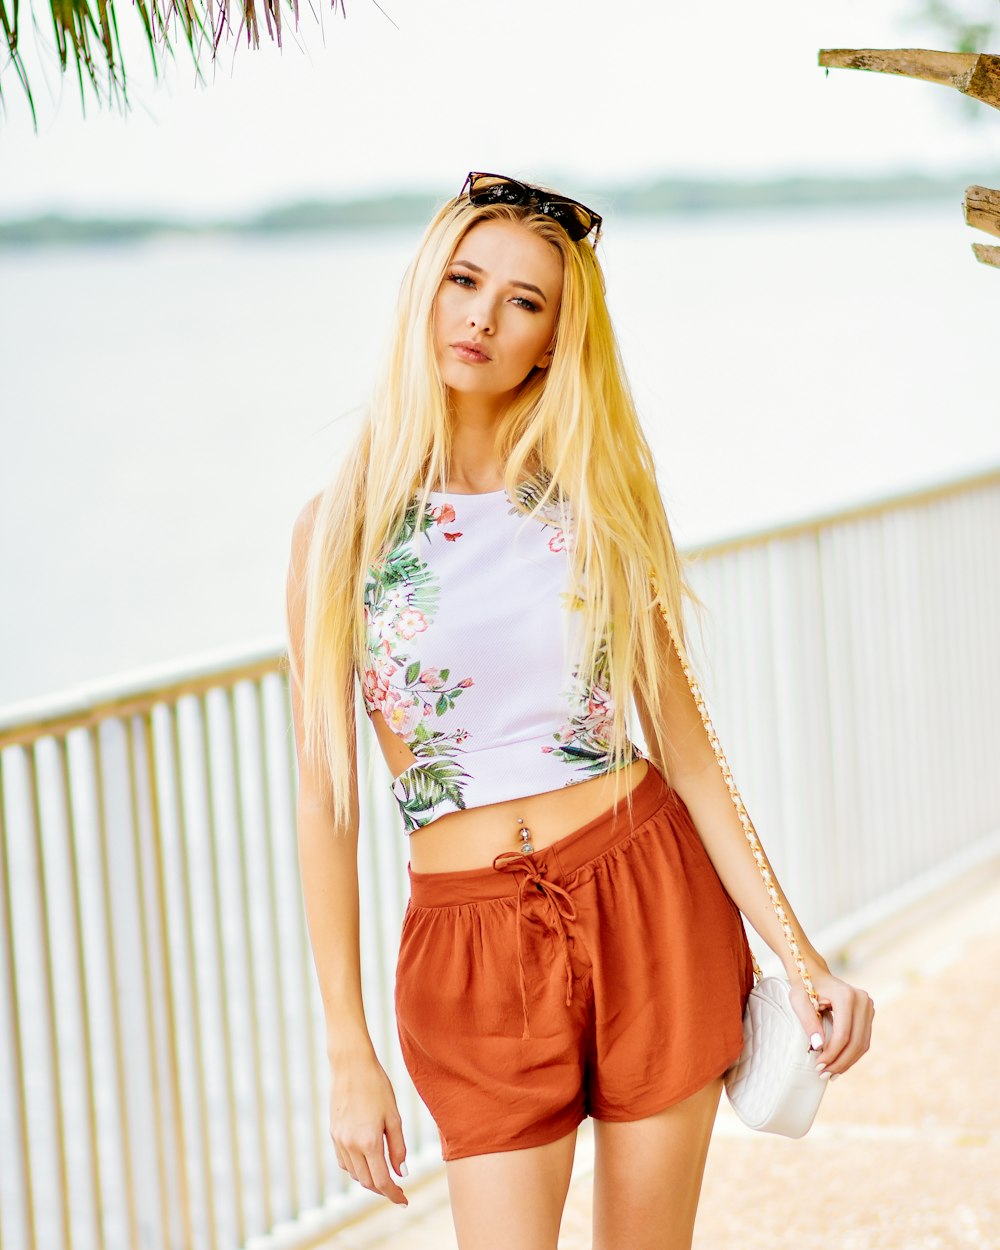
column 748, row 829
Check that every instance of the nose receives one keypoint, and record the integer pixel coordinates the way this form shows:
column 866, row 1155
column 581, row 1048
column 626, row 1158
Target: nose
column 481, row 317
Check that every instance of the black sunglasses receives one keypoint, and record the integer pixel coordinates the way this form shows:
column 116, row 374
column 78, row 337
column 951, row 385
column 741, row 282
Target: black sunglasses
column 575, row 218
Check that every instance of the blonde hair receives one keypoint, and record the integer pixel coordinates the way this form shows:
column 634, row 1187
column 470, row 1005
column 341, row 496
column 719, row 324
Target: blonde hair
column 573, row 427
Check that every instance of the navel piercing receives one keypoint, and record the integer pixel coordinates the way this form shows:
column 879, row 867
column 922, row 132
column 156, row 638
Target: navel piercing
column 525, row 836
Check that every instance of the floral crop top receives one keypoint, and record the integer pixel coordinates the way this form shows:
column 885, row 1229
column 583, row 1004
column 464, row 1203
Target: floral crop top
column 469, row 627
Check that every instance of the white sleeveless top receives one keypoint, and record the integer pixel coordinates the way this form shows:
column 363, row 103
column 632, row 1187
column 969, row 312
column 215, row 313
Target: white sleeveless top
column 470, row 642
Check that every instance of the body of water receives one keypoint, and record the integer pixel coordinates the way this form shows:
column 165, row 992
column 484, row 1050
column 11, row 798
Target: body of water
column 167, row 408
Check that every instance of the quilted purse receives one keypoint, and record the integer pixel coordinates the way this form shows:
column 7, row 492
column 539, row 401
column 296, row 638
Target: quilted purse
column 773, row 1086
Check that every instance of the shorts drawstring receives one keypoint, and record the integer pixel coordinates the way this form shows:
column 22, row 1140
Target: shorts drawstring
column 560, row 911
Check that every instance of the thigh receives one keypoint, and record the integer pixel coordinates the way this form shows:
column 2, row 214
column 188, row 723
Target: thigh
column 511, row 1198
column 648, row 1174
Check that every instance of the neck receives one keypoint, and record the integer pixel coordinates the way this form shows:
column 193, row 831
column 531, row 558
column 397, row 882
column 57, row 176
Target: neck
column 475, row 419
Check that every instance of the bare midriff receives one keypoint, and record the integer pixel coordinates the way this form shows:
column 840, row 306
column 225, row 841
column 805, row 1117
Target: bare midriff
column 474, row 837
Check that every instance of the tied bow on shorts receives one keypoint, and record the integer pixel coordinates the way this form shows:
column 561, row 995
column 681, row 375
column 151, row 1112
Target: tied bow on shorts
column 560, row 909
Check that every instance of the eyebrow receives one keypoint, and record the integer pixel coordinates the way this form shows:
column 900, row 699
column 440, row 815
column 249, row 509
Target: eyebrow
column 527, row 286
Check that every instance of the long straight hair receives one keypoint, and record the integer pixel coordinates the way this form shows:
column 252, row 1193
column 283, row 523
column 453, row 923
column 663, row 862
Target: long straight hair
column 572, row 426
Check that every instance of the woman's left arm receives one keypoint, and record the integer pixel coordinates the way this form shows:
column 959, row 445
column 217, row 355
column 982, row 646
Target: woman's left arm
column 693, row 771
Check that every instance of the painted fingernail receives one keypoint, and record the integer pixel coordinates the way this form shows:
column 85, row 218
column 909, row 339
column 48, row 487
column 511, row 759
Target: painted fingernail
column 403, row 1170
column 817, row 1041
column 825, row 1076
column 820, row 1067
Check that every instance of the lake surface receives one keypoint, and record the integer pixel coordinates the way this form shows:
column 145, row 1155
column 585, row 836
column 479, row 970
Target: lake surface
column 167, row 408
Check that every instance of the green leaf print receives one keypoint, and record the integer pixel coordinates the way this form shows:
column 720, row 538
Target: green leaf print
column 425, row 786
column 402, row 567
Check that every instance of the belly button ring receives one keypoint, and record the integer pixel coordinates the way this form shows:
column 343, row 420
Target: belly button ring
column 525, row 836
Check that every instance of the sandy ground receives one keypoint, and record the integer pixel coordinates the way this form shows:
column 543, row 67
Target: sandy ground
column 905, row 1151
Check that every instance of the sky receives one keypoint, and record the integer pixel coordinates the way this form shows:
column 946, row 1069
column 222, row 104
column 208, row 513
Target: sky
column 576, row 94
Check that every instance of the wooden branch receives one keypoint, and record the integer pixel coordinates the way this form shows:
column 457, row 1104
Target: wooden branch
column 982, row 209
column 987, row 253
column 975, row 75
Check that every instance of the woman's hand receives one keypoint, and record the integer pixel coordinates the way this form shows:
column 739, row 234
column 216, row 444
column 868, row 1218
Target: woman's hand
column 852, row 1011
column 363, row 1112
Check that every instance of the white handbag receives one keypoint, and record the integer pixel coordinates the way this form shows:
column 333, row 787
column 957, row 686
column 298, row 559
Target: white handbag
column 773, row 1086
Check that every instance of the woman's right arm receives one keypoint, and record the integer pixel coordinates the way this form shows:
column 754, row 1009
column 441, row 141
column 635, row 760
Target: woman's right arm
column 362, row 1104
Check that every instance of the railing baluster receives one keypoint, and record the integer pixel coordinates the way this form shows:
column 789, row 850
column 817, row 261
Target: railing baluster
column 116, row 940
column 179, row 1209
column 250, row 961
column 144, row 887
column 60, row 1211
column 83, row 1143
column 18, row 1151
column 200, row 1130
column 231, row 1108
column 284, row 1103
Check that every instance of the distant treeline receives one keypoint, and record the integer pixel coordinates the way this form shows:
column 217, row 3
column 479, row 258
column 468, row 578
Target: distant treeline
column 671, row 195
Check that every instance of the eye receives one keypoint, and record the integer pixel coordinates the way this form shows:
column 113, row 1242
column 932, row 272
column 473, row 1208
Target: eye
column 461, row 279
column 524, row 302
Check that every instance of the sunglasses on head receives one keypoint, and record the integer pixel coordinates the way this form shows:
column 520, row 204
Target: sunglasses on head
column 575, row 218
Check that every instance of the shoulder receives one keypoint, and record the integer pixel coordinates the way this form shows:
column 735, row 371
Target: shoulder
column 302, row 529
column 301, row 541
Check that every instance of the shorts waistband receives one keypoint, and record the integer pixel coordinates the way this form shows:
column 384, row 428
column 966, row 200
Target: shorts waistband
column 558, row 860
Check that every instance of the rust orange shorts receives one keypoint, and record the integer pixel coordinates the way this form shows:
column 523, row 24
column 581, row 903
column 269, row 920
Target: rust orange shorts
column 604, row 975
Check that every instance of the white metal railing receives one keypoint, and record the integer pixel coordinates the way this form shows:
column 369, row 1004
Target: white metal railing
column 857, row 669
column 162, row 1059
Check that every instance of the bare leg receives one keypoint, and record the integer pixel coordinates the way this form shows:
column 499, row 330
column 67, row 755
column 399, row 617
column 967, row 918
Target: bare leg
column 511, row 1198
column 648, row 1174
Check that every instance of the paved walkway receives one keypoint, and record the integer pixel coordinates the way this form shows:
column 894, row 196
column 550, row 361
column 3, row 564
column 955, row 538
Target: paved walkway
column 905, row 1151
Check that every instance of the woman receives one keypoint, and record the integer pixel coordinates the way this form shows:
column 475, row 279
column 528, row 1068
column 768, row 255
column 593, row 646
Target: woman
column 483, row 565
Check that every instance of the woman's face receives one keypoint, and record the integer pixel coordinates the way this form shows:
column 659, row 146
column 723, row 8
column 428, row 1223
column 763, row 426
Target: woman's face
column 496, row 311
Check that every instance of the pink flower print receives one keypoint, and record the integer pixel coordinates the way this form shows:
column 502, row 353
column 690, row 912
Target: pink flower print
column 375, row 682
column 409, row 622
column 443, row 514
column 431, row 678
column 557, row 542
column 461, row 735
column 382, row 629
column 600, row 714
column 402, row 712
column 451, row 537
column 466, row 682
column 368, row 687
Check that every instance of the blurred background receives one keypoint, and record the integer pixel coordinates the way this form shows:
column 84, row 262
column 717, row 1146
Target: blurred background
column 194, row 296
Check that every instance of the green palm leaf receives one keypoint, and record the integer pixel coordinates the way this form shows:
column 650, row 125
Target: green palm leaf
column 425, row 785
column 86, row 37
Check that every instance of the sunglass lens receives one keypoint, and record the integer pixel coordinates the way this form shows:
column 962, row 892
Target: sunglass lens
column 573, row 218
column 497, row 191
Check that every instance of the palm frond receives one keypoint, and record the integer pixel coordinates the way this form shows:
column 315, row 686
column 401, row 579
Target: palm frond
column 86, row 38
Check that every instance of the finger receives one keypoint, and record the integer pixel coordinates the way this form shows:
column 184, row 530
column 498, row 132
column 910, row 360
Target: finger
column 396, row 1144
column 342, row 1161
column 842, row 1013
column 362, row 1174
column 381, row 1180
column 859, row 1040
column 810, row 1021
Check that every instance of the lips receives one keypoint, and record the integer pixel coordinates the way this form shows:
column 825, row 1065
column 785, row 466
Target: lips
column 470, row 352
